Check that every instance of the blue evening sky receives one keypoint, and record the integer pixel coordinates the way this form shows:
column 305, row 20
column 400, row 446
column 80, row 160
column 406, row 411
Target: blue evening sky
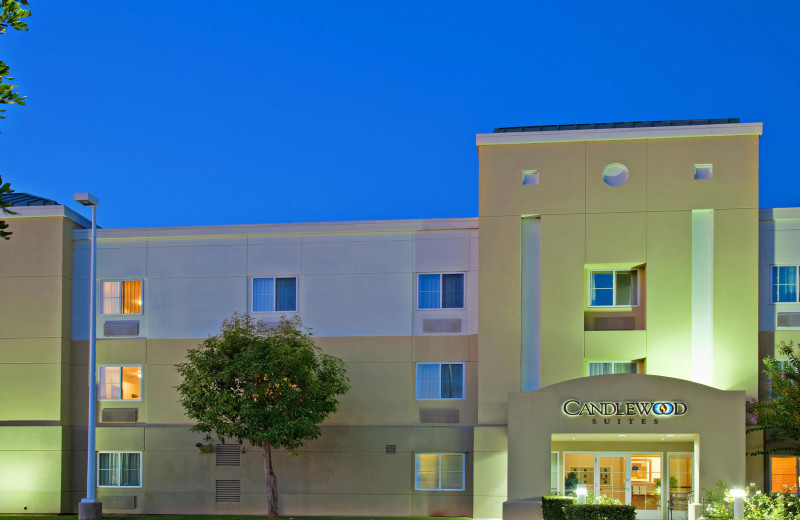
column 200, row 112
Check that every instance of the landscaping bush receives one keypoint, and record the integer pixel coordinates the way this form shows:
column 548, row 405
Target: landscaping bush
column 599, row 512
column 757, row 505
column 553, row 506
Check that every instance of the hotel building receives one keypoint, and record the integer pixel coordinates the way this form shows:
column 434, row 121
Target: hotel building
column 600, row 323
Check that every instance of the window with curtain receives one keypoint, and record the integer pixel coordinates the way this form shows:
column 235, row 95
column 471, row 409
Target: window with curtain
column 439, row 471
column 121, row 297
column 602, row 368
column 275, row 294
column 119, row 469
column 784, row 284
column 440, row 381
column 118, row 383
column 784, row 474
column 614, row 288
column 440, row 291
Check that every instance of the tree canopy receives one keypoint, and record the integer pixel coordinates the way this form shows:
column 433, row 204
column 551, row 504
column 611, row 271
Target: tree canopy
column 781, row 412
column 269, row 386
column 12, row 15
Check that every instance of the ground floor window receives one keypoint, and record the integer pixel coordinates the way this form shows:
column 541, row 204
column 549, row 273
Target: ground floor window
column 636, row 479
column 439, row 471
column 784, row 474
column 119, row 469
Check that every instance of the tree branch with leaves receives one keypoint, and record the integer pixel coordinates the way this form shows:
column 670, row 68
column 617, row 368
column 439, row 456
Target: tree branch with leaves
column 12, row 14
column 781, row 412
column 269, row 386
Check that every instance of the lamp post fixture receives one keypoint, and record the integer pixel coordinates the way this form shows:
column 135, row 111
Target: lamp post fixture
column 90, row 508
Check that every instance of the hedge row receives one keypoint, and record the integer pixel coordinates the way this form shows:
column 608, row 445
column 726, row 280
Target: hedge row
column 553, row 506
column 598, row 512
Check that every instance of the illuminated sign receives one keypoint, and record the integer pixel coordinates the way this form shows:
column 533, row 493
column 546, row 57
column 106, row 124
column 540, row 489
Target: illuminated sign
column 575, row 408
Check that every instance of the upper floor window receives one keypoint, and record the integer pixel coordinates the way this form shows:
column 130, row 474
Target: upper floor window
column 275, row 294
column 119, row 469
column 121, row 297
column 119, row 383
column 602, row 368
column 614, row 288
column 439, row 471
column 784, row 284
column 440, row 381
column 440, row 291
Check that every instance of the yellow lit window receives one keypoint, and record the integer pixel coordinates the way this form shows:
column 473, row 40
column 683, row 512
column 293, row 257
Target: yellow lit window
column 116, row 383
column 121, row 297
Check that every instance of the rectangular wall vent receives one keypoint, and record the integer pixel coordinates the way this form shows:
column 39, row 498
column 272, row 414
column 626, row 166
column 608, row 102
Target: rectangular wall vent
column 119, row 502
column 391, row 449
column 438, row 415
column 121, row 328
column 441, row 326
column 119, row 415
column 228, row 454
column 789, row 319
column 614, row 323
column 228, row 491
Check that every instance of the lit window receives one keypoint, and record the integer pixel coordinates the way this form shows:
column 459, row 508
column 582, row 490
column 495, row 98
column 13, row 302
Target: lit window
column 439, row 471
column 275, row 294
column 440, row 291
column 119, row 383
column 784, row 474
column 440, row 381
column 119, row 469
column 121, row 297
column 602, row 368
column 614, row 288
column 784, row 284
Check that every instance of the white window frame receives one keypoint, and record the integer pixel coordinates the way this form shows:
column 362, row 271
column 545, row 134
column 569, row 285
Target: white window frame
column 141, row 384
column 441, row 292
column 275, row 293
column 141, row 469
column 416, row 471
column 586, row 366
column 440, row 398
column 772, row 284
column 614, row 288
column 99, row 297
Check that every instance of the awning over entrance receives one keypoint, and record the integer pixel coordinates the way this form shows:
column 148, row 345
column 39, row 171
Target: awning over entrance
column 628, row 420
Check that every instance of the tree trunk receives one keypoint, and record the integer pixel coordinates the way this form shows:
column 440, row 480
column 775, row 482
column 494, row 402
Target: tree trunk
column 272, row 482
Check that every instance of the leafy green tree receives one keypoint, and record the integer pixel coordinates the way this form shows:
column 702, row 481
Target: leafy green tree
column 12, row 15
column 4, row 205
column 269, row 386
column 781, row 412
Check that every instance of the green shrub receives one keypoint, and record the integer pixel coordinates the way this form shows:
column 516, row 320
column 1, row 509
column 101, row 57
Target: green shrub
column 757, row 505
column 599, row 512
column 553, row 506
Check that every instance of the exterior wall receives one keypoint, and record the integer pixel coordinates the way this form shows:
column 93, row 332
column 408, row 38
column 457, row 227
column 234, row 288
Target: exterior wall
column 35, row 357
column 647, row 224
column 357, row 292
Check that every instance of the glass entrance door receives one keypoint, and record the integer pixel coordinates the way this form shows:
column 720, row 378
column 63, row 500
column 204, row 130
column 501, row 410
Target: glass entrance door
column 632, row 478
column 612, row 476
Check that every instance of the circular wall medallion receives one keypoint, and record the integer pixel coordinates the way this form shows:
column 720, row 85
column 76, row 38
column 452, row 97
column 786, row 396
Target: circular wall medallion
column 615, row 174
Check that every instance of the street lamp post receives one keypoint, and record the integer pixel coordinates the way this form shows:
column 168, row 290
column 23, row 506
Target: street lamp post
column 90, row 508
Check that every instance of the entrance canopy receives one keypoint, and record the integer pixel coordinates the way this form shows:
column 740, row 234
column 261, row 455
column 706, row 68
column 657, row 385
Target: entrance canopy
column 636, row 416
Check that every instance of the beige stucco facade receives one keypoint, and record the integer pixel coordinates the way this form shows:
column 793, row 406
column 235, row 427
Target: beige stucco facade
column 527, row 335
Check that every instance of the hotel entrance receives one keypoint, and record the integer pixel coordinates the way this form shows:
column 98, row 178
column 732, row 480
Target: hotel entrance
column 633, row 478
column 648, row 441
